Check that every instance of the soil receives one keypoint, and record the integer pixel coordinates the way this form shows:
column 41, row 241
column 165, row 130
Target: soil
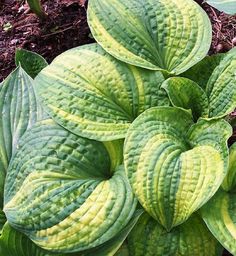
column 66, row 26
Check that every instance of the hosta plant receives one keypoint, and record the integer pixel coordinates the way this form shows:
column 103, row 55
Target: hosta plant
column 120, row 147
column 227, row 6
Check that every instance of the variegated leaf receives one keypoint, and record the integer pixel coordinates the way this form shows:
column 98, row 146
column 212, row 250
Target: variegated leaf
column 61, row 192
column 173, row 166
column 96, row 96
column 154, row 34
column 193, row 238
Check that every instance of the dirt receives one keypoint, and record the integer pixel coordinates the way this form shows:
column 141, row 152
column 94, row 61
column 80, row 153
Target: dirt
column 66, row 26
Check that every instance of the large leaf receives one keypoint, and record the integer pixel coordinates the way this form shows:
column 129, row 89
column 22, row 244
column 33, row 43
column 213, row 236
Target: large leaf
column 221, row 87
column 31, row 62
column 174, row 167
column 193, row 238
column 154, row 34
column 14, row 243
column 96, row 96
column 230, row 179
column 219, row 215
column 61, row 192
column 19, row 110
column 115, row 245
column 228, row 6
column 186, row 94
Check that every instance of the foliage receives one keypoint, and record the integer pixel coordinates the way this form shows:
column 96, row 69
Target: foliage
column 127, row 130
column 227, row 6
column 36, row 7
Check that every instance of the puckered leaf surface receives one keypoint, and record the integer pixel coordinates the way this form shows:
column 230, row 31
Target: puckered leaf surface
column 19, row 110
column 219, row 212
column 61, row 192
column 173, row 166
column 193, row 238
column 221, row 86
column 154, row 34
column 96, row 96
column 219, row 215
column 186, row 94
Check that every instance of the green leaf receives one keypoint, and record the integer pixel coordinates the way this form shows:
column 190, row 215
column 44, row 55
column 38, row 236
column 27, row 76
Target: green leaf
column 158, row 35
column 31, row 62
column 202, row 71
column 173, row 166
column 221, row 87
column 227, row 6
column 186, row 94
column 96, row 96
column 19, row 110
column 219, row 215
column 191, row 238
column 230, row 180
column 36, row 7
column 111, row 247
column 14, row 243
column 59, row 191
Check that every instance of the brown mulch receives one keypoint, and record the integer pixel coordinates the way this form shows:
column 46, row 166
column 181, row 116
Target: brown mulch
column 65, row 27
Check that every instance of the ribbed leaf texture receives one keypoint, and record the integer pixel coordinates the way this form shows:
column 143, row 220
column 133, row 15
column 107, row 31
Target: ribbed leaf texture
column 154, row 34
column 219, row 212
column 61, row 192
column 193, row 238
column 173, row 166
column 96, row 96
column 19, row 110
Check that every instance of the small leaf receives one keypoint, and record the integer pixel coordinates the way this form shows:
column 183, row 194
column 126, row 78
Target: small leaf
column 31, row 62
column 190, row 238
column 230, row 180
column 227, row 6
column 158, row 35
column 173, row 166
column 93, row 95
column 36, row 7
column 66, row 199
column 186, row 94
column 219, row 215
column 202, row 71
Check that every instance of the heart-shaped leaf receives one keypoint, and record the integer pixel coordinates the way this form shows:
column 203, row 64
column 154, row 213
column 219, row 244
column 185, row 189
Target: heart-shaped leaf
column 19, row 110
column 154, row 34
column 61, row 192
column 228, row 6
column 191, row 238
column 96, row 96
column 186, row 94
column 31, row 62
column 173, row 166
column 219, row 215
